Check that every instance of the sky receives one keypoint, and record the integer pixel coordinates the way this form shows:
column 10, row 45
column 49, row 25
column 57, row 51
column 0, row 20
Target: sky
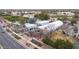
column 39, row 4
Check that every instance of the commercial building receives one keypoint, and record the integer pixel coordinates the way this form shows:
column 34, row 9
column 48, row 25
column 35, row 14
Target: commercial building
column 51, row 26
column 41, row 23
column 30, row 27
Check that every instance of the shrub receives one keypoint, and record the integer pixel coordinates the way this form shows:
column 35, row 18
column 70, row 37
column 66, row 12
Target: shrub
column 42, row 16
column 37, row 43
column 48, row 42
column 8, row 30
column 59, row 44
column 17, row 37
column 11, row 18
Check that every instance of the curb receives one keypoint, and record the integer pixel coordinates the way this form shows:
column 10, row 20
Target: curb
column 16, row 40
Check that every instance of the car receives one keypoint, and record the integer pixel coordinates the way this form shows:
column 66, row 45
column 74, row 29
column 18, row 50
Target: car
column 3, row 26
column 3, row 32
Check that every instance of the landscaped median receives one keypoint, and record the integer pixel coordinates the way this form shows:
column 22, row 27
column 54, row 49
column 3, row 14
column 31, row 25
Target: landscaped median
column 16, row 36
column 21, row 39
column 8, row 30
column 36, row 42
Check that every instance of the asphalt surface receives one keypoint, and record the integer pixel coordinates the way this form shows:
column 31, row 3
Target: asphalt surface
column 7, row 41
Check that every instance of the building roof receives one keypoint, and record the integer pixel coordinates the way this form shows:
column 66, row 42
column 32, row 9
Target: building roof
column 51, row 26
column 28, row 25
column 44, row 22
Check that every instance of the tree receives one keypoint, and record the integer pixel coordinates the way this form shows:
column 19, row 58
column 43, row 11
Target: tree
column 58, row 44
column 73, row 21
column 75, row 29
column 48, row 41
column 61, row 44
column 31, row 20
column 63, row 18
column 11, row 18
column 14, row 18
column 42, row 16
column 21, row 20
column 75, row 16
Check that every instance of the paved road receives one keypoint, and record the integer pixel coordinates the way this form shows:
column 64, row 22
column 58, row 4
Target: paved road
column 7, row 41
